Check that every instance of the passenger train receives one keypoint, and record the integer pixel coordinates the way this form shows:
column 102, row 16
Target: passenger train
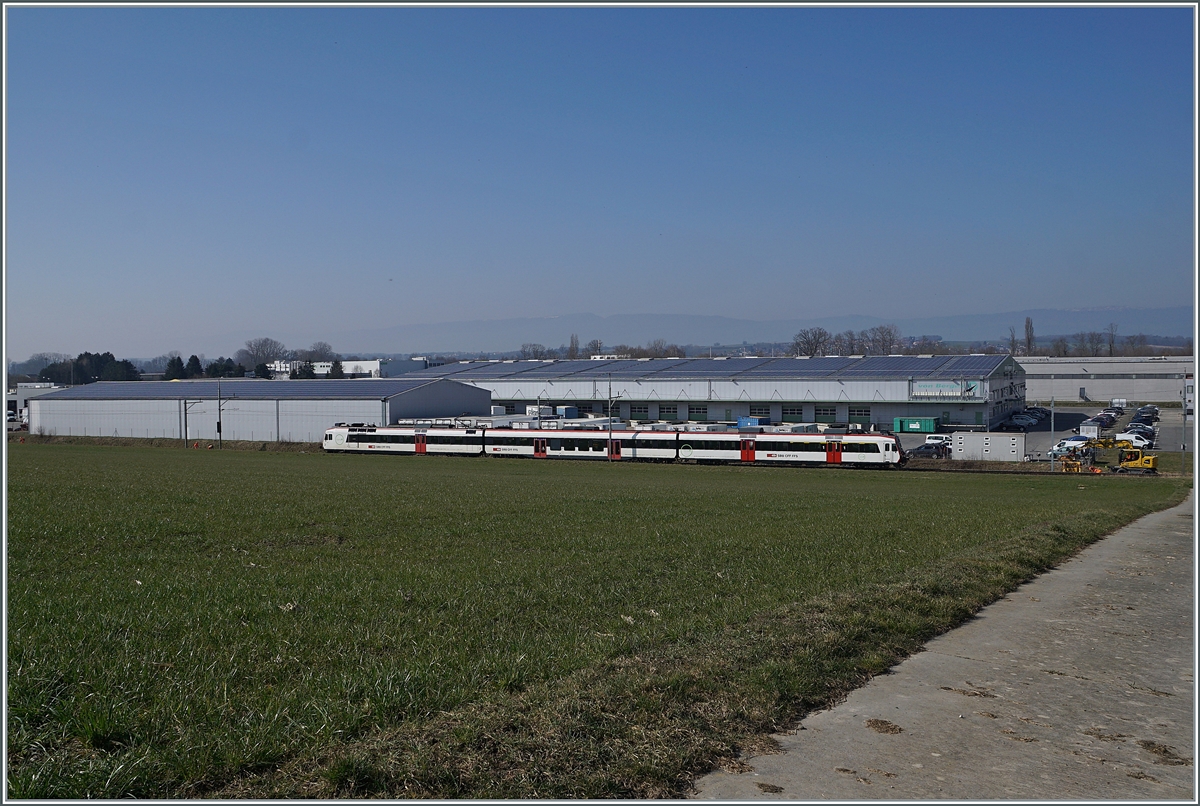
column 858, row 450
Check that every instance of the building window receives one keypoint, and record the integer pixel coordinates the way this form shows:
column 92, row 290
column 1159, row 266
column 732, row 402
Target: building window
column 697, row 413
column 639, row 411
column 860, row 414
column 760, row 411
column 793, row 414
column 825, row 414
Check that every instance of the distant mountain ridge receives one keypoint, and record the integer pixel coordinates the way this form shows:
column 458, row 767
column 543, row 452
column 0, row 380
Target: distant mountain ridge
column 637, row 329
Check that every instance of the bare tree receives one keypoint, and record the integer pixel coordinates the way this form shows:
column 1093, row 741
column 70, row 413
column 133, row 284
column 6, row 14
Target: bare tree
column 883, row 339
column 260, row 351
column 320, row 351
column 845, row 343
column 594, row 347
column 531, row 350
column 1012, row 340
column 1030, row 339
column 573, row 347
column 811, row 341
column 1110, row 334
column 1095, row 343
column 1135, row 344
column 1060, row 347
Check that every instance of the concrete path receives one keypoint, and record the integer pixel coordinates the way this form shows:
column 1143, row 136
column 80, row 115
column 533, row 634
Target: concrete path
column 1077, row 686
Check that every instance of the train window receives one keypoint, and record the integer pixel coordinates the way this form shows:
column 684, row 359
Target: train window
column 860, row 447
column 556, row 444
column 328, row 437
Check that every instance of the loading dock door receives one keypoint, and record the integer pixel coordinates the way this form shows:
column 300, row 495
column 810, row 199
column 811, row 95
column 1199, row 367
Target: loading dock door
column 833, row 452
column 747, row 450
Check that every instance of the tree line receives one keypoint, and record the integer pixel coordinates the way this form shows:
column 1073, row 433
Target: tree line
column 1089, row 343
column 258, row 353
column 658, row 348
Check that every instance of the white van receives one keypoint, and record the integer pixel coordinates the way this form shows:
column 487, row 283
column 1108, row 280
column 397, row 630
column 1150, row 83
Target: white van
column 938, row 439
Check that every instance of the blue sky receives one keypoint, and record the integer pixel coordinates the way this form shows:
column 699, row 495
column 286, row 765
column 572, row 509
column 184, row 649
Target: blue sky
column 188, row 178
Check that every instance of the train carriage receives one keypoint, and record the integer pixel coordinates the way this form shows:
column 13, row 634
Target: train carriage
column 860, row 450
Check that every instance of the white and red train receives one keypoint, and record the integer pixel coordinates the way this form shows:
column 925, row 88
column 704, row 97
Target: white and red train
column 858, row 450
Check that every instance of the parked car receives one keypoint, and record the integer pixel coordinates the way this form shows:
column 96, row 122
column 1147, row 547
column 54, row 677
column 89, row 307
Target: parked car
column 1146, row 421
column 1139, row 428
column 1009, row 425
column 1137, row 440
column 1108, row 420
column 930, row 450
column 1038, row 409
column 1070, row 442
column 1024, row 419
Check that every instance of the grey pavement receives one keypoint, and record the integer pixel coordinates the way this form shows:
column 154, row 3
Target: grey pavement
column 1077, row 686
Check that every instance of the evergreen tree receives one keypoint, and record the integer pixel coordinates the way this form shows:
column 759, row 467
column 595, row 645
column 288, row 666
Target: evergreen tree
column 175, row 369
column 193, row 368
column 120, row 371
column 336, row 371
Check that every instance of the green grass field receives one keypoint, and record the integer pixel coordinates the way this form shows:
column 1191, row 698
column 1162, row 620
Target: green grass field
column 230, row 624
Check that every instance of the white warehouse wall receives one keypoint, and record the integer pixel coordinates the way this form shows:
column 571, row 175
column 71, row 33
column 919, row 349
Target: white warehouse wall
column 298, row 420
column 105, row 418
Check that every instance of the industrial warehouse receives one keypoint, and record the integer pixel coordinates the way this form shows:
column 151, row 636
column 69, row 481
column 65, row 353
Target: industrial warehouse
column 883, row 393
column 904, row 393
column 296, row 411
column 1160, row 378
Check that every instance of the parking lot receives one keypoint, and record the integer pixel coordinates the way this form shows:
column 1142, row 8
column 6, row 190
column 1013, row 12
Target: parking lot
column 1171, row 430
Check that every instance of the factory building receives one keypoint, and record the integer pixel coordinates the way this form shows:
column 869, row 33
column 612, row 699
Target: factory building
column 1144, row 379
column 972, row 391
column 297, row 411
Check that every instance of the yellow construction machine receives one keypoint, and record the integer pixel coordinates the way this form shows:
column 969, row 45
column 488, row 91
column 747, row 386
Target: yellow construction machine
column 1129, row 458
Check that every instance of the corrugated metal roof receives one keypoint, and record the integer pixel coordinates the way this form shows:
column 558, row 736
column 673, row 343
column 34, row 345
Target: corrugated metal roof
column 776, row 369
column 245, row 389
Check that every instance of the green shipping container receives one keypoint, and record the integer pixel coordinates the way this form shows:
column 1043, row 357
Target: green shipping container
column 922, row 425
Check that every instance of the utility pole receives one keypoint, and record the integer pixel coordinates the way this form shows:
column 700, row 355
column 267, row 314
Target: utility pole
column 220, row 443
column 1052, row 425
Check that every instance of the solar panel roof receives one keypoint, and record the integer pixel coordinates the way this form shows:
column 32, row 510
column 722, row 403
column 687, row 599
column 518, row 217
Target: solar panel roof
column 899, row 366
column 247, row 389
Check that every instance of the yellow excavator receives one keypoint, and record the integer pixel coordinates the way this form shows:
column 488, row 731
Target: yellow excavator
column 1129, row 458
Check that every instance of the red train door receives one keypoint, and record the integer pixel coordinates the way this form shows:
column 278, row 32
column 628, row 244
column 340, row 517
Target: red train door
column 614, row 449
column 833, row 452
column 420, row 443
column 747, row 450
column 539, row 448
